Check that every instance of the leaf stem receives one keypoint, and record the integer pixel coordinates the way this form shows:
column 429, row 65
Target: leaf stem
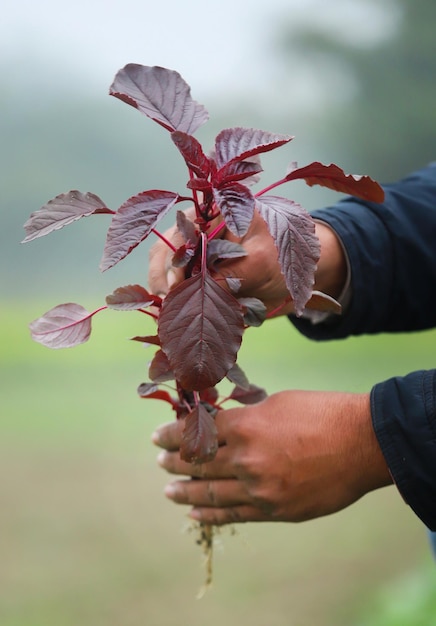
column 216, row 230
column 272, row 186
column 164, row 239
column 153, row 315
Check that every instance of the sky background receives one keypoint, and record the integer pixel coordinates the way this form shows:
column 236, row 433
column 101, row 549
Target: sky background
column 219, row 48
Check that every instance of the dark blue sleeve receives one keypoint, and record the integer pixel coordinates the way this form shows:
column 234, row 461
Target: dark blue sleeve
column 404, row 417
column 392, row 252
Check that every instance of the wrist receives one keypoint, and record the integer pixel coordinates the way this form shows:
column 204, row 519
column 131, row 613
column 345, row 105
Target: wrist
column 373, row 471
column 331, row 273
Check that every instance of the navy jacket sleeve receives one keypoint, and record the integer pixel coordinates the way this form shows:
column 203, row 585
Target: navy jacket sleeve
column 392, row 252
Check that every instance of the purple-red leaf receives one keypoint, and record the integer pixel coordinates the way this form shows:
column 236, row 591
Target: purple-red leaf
column 293, row 231
column 148, row 339
column 237, row 144
column 255, row 311
column 61, row 211
column 182, row 256
column 199, row 184
column 251, row 396
column 200, row 328
column 236, row 203
column 64, row 326
column 237, row 376
column 160, row 94
column 192, row 152
column 133, row 222
column 223, row 249
column 151, row 390
column 160, row 370
column 239, row 170
column 130, row 298
column 200, row 437
column 186, row 227
column 333, row 177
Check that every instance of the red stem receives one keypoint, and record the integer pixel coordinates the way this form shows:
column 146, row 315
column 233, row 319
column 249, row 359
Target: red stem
column 216, row 230
column 272, row 186
column 164, row 239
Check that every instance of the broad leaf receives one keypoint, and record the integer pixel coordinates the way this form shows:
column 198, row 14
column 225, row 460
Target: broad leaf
column 199, row 184
column 255, row 311
column 237, row 376
column 64, row 326
column 61, row 211
column 238, row 144
column 200, row 328
column 253, row 395
column 186, row 227
column 333, row 177
column 133, row 222
column 239, row 170
column 147, row 339
column 234, row 284
column 209, row 395
column 236, row 203
column 130, row 298
column 200, row 437
column 152, row 391
column 160, row 94
column 160, row 369
column 192, row 152
column 223, row 249
column 293, row 231
column 182, row 256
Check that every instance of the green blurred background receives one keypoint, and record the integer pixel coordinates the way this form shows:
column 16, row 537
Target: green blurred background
column 86, row 536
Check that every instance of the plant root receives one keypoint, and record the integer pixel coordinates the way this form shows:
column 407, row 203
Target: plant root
column 205, row 540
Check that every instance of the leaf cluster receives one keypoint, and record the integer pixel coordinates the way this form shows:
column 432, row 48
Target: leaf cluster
column 200, row 323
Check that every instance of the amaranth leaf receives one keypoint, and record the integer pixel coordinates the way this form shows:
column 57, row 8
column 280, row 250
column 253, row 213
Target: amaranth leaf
column 133, row 222
column 130, row 298
column 236, row 203
column 333, row 177
column 237, row 144
column 251, row 396
column 64, row 326
column 161, row 94
column 192, row 152
column 200, row 437
column 61, row 211
column 293, row 231
column 200, row 326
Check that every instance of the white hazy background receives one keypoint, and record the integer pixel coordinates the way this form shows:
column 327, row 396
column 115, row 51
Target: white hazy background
column 222, row 49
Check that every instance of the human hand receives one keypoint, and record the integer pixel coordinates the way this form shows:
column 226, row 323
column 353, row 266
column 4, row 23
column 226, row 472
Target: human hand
column 295, row 456
column 259, row 271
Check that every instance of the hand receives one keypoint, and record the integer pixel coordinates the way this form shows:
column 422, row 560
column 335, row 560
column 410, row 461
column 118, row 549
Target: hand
column 295, row 456
column 259, row 271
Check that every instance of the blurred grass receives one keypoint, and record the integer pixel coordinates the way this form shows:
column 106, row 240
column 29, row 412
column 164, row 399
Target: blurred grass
column 86, row 536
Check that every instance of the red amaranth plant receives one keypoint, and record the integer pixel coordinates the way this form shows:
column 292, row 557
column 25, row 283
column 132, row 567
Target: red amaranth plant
column 199, row 323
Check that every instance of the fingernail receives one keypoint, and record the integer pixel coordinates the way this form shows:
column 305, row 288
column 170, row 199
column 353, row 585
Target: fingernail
column 170, row 491
column 195, row 515
column 161, row 458
column 155, row 438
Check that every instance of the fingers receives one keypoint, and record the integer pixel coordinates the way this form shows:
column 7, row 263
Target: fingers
column 216, row 502
column 199, row 493
column 159, row 264
column 169, row 436
column 220, row 467
column 229, row 515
